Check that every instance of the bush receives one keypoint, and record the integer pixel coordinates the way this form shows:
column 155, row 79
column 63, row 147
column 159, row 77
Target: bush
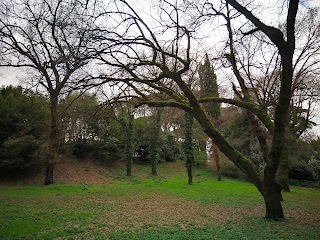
column 170, row 149
column 19, row 154
column 82, row 148
column 315, row 164
column 199, row 157
column 301, row 171
column 107, row 152
column 228, row 169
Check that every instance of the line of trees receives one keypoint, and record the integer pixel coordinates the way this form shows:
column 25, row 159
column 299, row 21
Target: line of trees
column 81, row 44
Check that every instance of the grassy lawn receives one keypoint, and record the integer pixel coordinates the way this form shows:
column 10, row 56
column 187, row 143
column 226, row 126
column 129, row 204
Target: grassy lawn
column 163, row 207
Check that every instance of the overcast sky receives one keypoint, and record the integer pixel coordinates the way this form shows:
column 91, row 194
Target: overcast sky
column 9, row 76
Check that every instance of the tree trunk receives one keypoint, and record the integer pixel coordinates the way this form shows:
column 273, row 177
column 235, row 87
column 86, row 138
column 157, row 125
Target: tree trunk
column 217, row 160
column 283, row 170
column 154, row 142
column 188, row 146
column 215, row 151
column 49, row 174
column 189, row 172
column 128, row 137
column 53, row 150
column 272, row 199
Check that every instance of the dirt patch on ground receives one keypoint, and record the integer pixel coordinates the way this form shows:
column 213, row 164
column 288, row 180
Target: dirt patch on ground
column 67, row 171
column 73, row 171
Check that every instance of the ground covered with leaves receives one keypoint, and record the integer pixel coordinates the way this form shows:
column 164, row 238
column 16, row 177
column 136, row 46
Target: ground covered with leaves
column 144, row 207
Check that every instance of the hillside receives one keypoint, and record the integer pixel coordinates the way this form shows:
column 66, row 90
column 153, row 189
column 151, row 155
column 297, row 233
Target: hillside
column 86, row 171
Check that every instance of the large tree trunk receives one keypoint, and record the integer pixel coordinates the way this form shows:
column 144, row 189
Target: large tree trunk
column 272, row 198
column 283, row 171
column 54, row 140
column 273, row 205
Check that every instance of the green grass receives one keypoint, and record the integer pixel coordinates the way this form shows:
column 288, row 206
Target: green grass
column 104, row 211
column 251, row 229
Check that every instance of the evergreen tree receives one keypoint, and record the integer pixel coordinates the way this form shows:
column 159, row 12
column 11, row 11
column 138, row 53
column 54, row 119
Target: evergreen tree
column 209, row 88
column 188, row 145
column 153, row 146
column 21, row 133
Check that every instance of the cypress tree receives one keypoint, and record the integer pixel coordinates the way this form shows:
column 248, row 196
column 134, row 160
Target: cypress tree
column 209, row 88
column 153, row 146
column 188, row 146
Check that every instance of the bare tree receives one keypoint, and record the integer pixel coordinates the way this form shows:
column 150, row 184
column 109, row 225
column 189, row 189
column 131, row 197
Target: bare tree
column 157, row 60
column 55, row 41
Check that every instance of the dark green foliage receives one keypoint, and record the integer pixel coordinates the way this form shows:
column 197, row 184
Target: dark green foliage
column 232, row 171
column 82, row 117
column 81, row 148
column 299, row 154
column 23, row 122
column 126, row 122
column 188, row 145
column 170, row 149
column 154, row 140
column 92, row 130
column 108, row 152
column 301, row 171
column 209, row 87
column 141, row 138
column 240, row 134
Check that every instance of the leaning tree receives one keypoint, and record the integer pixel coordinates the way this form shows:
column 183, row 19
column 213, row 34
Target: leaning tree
column 54, row 41
column 157, row 60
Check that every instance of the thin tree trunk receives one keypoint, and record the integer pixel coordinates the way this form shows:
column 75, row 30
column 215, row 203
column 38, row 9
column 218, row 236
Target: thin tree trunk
column 154, row 142
column 217, row 160
column 129, row 145
column 188, row 146
column 216, row 155
column 49, row 173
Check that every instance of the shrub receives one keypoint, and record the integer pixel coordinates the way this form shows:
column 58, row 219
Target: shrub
column 107, row 152
column 199, row 157
column 170, row 149
column 19, row 154
column 82, row 148
column 315, row 164
column 301, row 171
column 228, row 169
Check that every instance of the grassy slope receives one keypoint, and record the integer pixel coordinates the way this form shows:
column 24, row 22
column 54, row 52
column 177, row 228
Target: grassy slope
column 164, row 207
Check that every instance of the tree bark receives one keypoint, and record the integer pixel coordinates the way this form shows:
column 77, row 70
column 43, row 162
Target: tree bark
column 217, row 160
column 272, row 198
column 128, row 137
column 188, row 146
column 54, row 140
column 49, row 173
column 283, row 170
column 154, row 142
column 189, row 172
